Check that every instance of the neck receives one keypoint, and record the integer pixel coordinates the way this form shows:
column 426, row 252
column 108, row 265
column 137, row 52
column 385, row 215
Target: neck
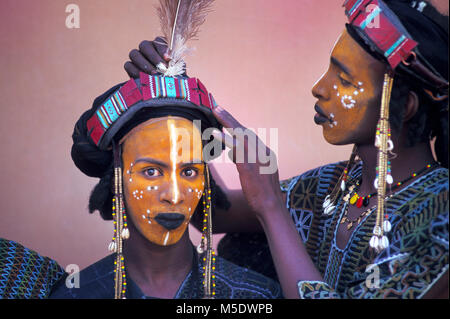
column 152, row 266
column 407, row 161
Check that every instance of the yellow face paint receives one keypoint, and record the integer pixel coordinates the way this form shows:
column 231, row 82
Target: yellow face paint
column 161, row 174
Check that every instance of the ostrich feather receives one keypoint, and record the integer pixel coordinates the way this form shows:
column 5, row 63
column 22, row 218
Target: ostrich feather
column 180, row 22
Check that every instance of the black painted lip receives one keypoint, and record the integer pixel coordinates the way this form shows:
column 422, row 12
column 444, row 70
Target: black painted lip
column 320, row 117
column 170, row 220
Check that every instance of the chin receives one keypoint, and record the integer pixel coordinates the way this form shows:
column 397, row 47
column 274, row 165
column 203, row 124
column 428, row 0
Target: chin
column 333, row 139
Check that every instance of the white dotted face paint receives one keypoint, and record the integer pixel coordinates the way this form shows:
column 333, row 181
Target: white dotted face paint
column 334, row 123
column 335, row 88
column 138, row 194
column 129, row 173
column 347, row 101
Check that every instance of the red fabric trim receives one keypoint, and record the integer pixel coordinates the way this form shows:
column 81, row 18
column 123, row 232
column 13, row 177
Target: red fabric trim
column 402, row 52
column 131, row 93
column 145, row 86
column 95, row 128
column 203, row 94
column 193, row 91
column 361, row 8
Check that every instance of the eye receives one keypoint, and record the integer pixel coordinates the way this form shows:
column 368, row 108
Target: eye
column 152, row 172
column 189, row 172
column 344, row 81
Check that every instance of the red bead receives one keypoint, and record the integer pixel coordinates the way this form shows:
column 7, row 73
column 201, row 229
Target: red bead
column 359, row 202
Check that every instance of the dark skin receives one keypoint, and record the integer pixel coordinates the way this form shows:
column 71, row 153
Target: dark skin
column 157, row 270
column 260, row 205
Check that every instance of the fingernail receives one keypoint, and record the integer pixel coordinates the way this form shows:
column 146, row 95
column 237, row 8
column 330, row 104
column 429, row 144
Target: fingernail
column 218, row 108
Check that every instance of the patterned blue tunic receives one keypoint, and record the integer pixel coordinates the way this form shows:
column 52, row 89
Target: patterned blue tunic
column 24, row 274
column 232, row 282
column 416, row 258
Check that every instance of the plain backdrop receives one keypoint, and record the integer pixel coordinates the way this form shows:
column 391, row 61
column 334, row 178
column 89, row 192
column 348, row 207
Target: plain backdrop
column 259, row 58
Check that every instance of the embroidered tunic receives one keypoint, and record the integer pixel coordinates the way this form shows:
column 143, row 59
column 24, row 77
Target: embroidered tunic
column 415, row 259
column 24, row 274
column 232, row 282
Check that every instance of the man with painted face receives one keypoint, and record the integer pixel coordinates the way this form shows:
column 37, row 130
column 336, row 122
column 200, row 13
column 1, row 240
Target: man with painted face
column 375, row 226
column 143, row 139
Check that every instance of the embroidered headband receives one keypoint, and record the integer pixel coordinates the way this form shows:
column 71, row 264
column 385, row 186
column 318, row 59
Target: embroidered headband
column 148, row 91
column 380, row 28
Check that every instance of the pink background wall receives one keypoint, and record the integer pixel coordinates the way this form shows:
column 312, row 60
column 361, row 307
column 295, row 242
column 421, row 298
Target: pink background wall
column 259, row 58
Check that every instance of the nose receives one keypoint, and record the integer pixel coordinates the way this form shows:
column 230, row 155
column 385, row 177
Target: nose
column 171, row 194
column 319, row 89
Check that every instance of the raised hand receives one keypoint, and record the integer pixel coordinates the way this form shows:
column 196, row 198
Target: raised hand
column 255, row 162
column 147, row 58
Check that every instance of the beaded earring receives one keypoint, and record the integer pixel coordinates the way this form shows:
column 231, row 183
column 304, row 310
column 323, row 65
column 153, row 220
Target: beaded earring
column 121, row 231
column 205, row 245
column 383, row 142
column 330, row 201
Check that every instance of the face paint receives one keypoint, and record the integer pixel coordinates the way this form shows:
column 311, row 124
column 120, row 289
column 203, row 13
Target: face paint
column 347, row 101
column 159, row 199
column 351, row 91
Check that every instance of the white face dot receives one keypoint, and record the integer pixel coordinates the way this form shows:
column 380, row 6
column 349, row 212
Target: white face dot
column 347, row 101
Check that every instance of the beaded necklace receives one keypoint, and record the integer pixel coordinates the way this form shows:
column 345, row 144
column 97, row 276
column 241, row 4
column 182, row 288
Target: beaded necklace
column 360, row 201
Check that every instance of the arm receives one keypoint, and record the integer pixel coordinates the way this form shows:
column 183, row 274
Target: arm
column 261, row 188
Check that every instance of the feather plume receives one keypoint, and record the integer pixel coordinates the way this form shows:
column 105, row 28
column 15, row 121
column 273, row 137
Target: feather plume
column 180, row 22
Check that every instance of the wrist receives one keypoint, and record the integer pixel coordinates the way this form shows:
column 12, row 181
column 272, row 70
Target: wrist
column 272, row 208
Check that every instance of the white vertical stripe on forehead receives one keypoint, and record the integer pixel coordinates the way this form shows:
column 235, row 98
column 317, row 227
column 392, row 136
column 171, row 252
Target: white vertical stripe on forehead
column 173, row 158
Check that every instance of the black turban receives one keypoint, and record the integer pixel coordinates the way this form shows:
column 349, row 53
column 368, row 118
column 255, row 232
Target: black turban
column 94, row 162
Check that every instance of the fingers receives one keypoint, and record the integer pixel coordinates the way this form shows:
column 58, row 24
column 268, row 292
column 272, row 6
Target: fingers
column 150, row 53
column 225, row 139
column 226, row 119
column 147, row 58
column 131, row 69
column 162, row 48
column 141, row 62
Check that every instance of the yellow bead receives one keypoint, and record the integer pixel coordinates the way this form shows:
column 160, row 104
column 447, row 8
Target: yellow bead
column 354, row 199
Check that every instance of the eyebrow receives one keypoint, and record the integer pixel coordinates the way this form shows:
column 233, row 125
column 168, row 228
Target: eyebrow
column 162, row 164
column 340, row 65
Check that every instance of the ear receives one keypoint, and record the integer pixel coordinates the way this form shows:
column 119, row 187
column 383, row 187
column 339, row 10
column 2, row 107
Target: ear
column 411, row 106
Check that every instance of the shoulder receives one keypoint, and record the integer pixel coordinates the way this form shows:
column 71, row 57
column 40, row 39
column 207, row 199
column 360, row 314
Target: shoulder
column 419, row 217
column 236, row 282
column 95, row 281
column 327, row 174
column 426, row 198
column 24, row 273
